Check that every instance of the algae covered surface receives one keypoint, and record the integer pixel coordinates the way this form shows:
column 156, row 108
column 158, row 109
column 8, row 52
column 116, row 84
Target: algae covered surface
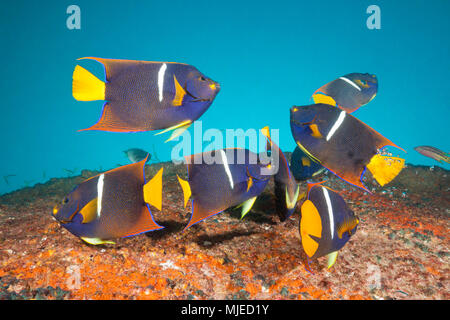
column 400, row 250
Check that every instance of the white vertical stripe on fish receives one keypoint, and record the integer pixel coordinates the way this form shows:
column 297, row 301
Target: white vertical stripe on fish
column 99, row 194
column 227, row 168
column 350, row 82
column 161, row 73
column 330, row 210
column 336, row 125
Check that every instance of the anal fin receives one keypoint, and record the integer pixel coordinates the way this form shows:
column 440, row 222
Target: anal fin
column 145, row 223
column 109, row 121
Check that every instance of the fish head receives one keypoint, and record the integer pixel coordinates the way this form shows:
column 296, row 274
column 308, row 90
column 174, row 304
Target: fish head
column 69, row 210
column 301, row 119
column 65, row 211
column 368, row 83
column 200, row 87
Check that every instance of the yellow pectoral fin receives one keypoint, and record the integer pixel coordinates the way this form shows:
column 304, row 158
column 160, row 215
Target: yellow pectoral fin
column 89, row 211
column 249, row 183
column 332, row 259
column 86, row 86
column 306, row 162
column 179, row 93
column 347, row 226
column 310, row 224
column 321, row 98
column 246, row 206
column 385, row 168
column 186, row 190
column 315, row 131
column 96, row 241
column 153, row 190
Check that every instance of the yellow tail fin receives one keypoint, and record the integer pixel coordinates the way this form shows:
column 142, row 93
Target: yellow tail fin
column 153, row 190
column 384, row 168
column 310, row 224
column 321, row 98
column 186, row 189
column 86, row 86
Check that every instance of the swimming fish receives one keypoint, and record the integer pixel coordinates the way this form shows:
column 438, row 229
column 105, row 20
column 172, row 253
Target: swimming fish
column 348, row 92
column 111, row 205
column 230, row 177
column 326, row 224
column 433, row 153
column 146, row 95
column 136, row 155
column 343, row 144
column 286, row 187
column 303, row 167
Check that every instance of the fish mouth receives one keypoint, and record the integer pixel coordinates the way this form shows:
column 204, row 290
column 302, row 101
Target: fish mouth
column 69, row 220
column 297, row 123
column 201, row 100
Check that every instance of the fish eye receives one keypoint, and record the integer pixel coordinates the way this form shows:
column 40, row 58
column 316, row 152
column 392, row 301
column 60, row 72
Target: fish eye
column 202, row 78
column 65, row 200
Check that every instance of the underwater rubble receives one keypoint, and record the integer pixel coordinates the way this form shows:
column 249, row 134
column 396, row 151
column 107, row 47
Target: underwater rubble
column 400, row 251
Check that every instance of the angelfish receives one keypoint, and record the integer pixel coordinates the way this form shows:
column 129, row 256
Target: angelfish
column 303, row 167
column 326, row 223
column 111, row 205
column 348, row 92
column 286, row 187
column 343, row 144
column 231, row 177
column 145, row 95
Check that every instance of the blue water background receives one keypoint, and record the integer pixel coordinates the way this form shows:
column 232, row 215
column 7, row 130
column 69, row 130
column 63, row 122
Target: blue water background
column 267, row 56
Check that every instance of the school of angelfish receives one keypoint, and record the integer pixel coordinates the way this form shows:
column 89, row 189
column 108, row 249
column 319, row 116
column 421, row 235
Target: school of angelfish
column 167, row 96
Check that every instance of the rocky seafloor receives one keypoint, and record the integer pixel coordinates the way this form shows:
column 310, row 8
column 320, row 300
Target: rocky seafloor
column 400, row 250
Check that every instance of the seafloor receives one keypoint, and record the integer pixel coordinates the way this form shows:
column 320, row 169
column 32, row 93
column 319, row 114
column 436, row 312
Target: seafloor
column 400, row 250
